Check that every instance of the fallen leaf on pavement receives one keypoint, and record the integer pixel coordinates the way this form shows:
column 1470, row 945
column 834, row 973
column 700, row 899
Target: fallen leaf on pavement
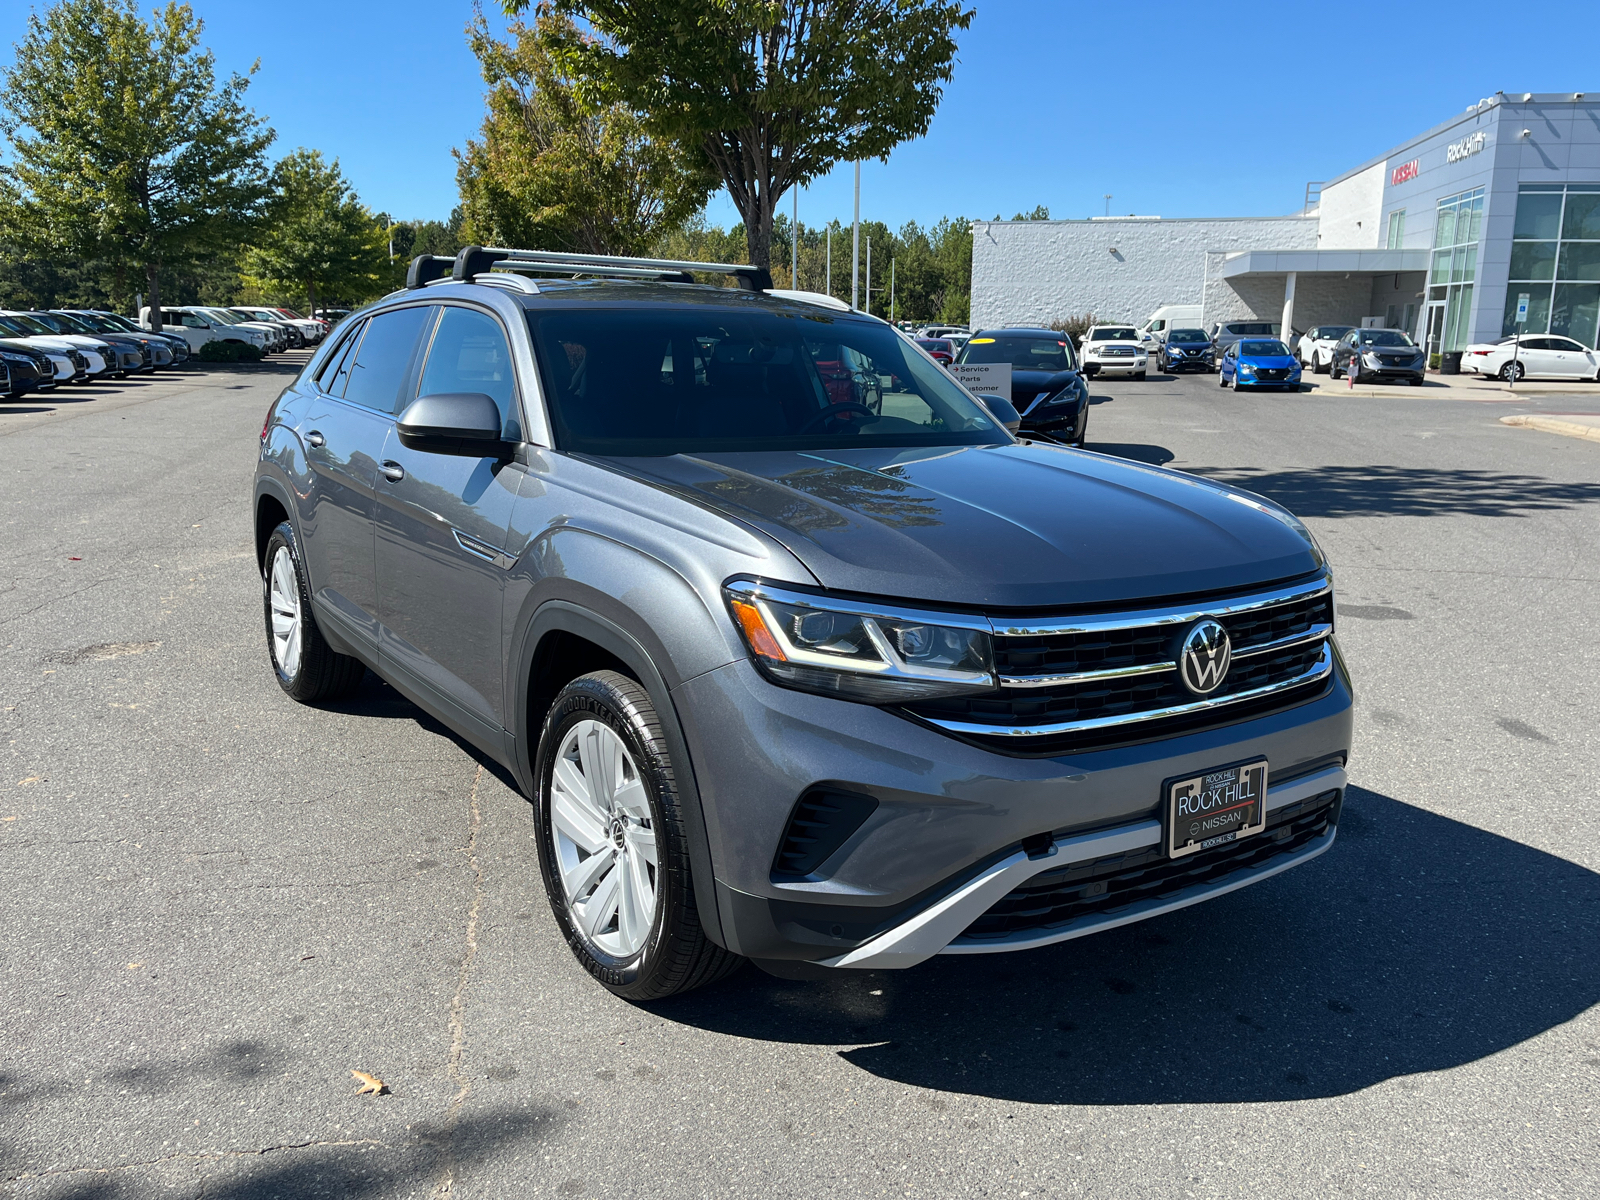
column 370, row 1083
column 27, row 781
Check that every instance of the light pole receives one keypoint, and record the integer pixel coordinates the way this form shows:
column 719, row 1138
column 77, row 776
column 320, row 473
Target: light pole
column 869, row 273
column 855, row 246
column 828, row 269
column 794, row 242
column 891, row 289
column 1108, row 204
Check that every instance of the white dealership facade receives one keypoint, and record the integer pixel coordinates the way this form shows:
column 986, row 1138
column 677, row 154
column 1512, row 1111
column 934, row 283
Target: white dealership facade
column 1439, row 237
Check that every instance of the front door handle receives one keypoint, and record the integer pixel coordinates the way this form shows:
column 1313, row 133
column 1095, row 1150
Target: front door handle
column 393, row 471
column 315, row 438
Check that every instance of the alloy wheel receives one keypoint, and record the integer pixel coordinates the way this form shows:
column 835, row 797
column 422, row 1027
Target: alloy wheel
column 605, row 839
column 283, row 594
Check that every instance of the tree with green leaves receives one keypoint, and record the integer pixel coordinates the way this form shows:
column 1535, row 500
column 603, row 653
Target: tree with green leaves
column 125, row 146
column 555, row 171
column 772, row 93
column 317, row 235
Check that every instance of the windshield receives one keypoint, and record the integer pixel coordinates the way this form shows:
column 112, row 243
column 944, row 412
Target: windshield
column 223, row 315
column 1332, row 333
column 65, row 321
column 91, row 321
column 938, row 344
column 1272, row 349
column 1258, row 328
column 119, row 322
column 289, row 312
column 18, row 323
column 659, row 382
column 1188, row 335
column 1385, row 337
column 1023, row 353
column 1114, row 335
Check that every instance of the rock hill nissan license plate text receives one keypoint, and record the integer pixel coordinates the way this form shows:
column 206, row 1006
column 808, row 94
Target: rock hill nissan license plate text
column 1219, row 806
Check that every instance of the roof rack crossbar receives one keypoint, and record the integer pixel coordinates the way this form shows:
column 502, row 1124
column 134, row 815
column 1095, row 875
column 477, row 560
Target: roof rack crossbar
column 425, row 268
column 582, row 268
column 750, row 278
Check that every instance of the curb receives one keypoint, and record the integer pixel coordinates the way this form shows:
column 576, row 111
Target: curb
column 1551, row 425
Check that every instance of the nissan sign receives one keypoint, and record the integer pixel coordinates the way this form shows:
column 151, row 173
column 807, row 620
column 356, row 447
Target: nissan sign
column 1404, row 172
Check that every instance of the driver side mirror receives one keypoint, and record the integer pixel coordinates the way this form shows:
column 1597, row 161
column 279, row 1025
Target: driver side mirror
column 1003, row 411
column 460, row 423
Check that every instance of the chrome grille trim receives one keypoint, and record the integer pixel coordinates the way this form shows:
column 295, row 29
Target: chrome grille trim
column 1316, row 633
column 1042, row 681
column 1161, row 616
column 1321, row 670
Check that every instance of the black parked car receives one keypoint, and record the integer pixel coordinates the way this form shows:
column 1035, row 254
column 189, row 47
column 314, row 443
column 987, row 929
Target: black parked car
column 1368, row 354
column 27, row 370
column 1186, row 350
column 1047, row 387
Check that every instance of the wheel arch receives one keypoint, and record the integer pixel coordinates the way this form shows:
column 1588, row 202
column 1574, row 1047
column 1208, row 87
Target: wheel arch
column 272, row 508
column 562, row 637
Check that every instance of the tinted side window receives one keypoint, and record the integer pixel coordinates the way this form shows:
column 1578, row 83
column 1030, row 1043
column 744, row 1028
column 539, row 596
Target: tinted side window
column 336, row 371
column 470, row 354
column 384, row 358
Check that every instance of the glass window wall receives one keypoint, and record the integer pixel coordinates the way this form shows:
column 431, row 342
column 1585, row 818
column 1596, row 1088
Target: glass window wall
column 1456, row 228
column 1555, row 261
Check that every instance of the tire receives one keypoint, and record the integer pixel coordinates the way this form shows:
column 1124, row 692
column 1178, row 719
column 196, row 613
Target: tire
column 1513, row 372
column 316, row 672
column 1416, row 381
column 1320, row 368
column 607, row 717
column 1222, row 380
column 1333, row 370
column 1140, row 376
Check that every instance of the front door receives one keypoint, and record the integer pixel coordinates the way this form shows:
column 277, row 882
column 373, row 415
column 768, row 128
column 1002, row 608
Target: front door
column 1433, row 341
column 441, row 531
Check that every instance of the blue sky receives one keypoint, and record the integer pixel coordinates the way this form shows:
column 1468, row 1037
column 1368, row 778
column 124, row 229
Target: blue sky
column 1052, row 103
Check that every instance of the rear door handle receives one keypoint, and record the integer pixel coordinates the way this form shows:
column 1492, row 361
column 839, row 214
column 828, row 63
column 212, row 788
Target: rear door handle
column 315, row 438
column 393, row 471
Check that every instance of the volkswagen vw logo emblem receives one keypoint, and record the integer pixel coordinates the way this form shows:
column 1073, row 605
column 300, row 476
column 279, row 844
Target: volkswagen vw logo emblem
column 1204, row 657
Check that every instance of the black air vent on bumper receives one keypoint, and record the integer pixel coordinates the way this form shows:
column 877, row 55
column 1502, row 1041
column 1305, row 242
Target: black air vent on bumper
column 823, row 820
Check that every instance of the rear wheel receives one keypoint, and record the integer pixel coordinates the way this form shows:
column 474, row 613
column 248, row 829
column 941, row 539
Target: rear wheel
column 308, row 669
column 612, row 845
column 1513, row 372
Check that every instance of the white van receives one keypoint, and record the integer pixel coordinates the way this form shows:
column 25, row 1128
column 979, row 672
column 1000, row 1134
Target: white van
column 1166, row 318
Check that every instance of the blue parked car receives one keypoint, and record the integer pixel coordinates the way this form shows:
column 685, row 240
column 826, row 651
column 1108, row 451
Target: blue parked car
column 1259, row 363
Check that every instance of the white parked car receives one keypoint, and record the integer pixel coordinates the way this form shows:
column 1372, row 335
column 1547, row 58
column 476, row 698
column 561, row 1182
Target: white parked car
column 277, row 332
column 1315, row 348
column 1541, row 356
column 1114, row 350
column 74, row 357
column 198, row 326
column 311, row 332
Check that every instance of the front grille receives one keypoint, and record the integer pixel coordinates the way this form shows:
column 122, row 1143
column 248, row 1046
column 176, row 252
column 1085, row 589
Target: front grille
column 1272, row 373
column 1117, row 352
column 1055, row 900
column 1072, row 685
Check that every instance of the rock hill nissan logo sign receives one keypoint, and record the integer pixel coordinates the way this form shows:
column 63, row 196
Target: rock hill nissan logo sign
column 1466, row 147
column 1404, row 172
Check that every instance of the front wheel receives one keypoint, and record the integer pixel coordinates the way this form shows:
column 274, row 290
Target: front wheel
column 1318, row 367
column 1333, row 370
column 1222, row 380
column 1513, row 372
column 612, row 844
column 1140, row 376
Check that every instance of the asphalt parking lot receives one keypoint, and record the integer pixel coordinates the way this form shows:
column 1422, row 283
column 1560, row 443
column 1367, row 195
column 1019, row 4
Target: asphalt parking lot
column 221, row 903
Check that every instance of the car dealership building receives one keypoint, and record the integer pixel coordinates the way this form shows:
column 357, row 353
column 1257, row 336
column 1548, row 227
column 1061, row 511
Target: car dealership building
column 1439, row 237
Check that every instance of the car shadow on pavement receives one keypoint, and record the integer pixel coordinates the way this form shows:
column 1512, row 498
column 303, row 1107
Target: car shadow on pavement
column 1156, row 456
column 1376, row 491
column 377, row 698
column 1417, row 943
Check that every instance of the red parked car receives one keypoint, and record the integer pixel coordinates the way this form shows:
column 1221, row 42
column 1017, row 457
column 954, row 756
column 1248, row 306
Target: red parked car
column 940, row 348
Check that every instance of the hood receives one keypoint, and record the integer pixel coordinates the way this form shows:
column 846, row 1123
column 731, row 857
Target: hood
column 995, row 526
column 1271, row 361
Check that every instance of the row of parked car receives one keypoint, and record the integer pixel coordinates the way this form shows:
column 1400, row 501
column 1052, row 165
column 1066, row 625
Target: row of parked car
column 43, row 348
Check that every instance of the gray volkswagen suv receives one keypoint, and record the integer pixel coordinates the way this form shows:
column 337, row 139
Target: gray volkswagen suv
column 799, row 655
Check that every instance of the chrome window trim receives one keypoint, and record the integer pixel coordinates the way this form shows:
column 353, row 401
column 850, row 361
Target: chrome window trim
column 1321, row 670
column 1023, row 627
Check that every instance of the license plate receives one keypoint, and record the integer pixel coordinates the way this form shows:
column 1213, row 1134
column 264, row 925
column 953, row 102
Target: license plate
column 1216, row 807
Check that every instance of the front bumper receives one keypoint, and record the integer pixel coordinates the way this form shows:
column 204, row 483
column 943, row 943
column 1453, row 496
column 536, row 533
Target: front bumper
column 951, row 818
column 1186, row 362
column 1241, row 380
column 1117, row 366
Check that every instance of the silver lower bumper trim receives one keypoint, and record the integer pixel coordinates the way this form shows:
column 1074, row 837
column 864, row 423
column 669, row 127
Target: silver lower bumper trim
column 935, row 929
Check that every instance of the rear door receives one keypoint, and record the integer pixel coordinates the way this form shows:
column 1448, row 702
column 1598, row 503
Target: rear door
column 441, row 525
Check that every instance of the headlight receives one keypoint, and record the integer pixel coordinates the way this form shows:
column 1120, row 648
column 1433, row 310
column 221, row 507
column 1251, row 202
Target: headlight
column 1246, row 369
column 854, row 651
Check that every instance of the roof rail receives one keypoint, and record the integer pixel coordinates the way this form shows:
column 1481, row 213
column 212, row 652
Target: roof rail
column 479, row 260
